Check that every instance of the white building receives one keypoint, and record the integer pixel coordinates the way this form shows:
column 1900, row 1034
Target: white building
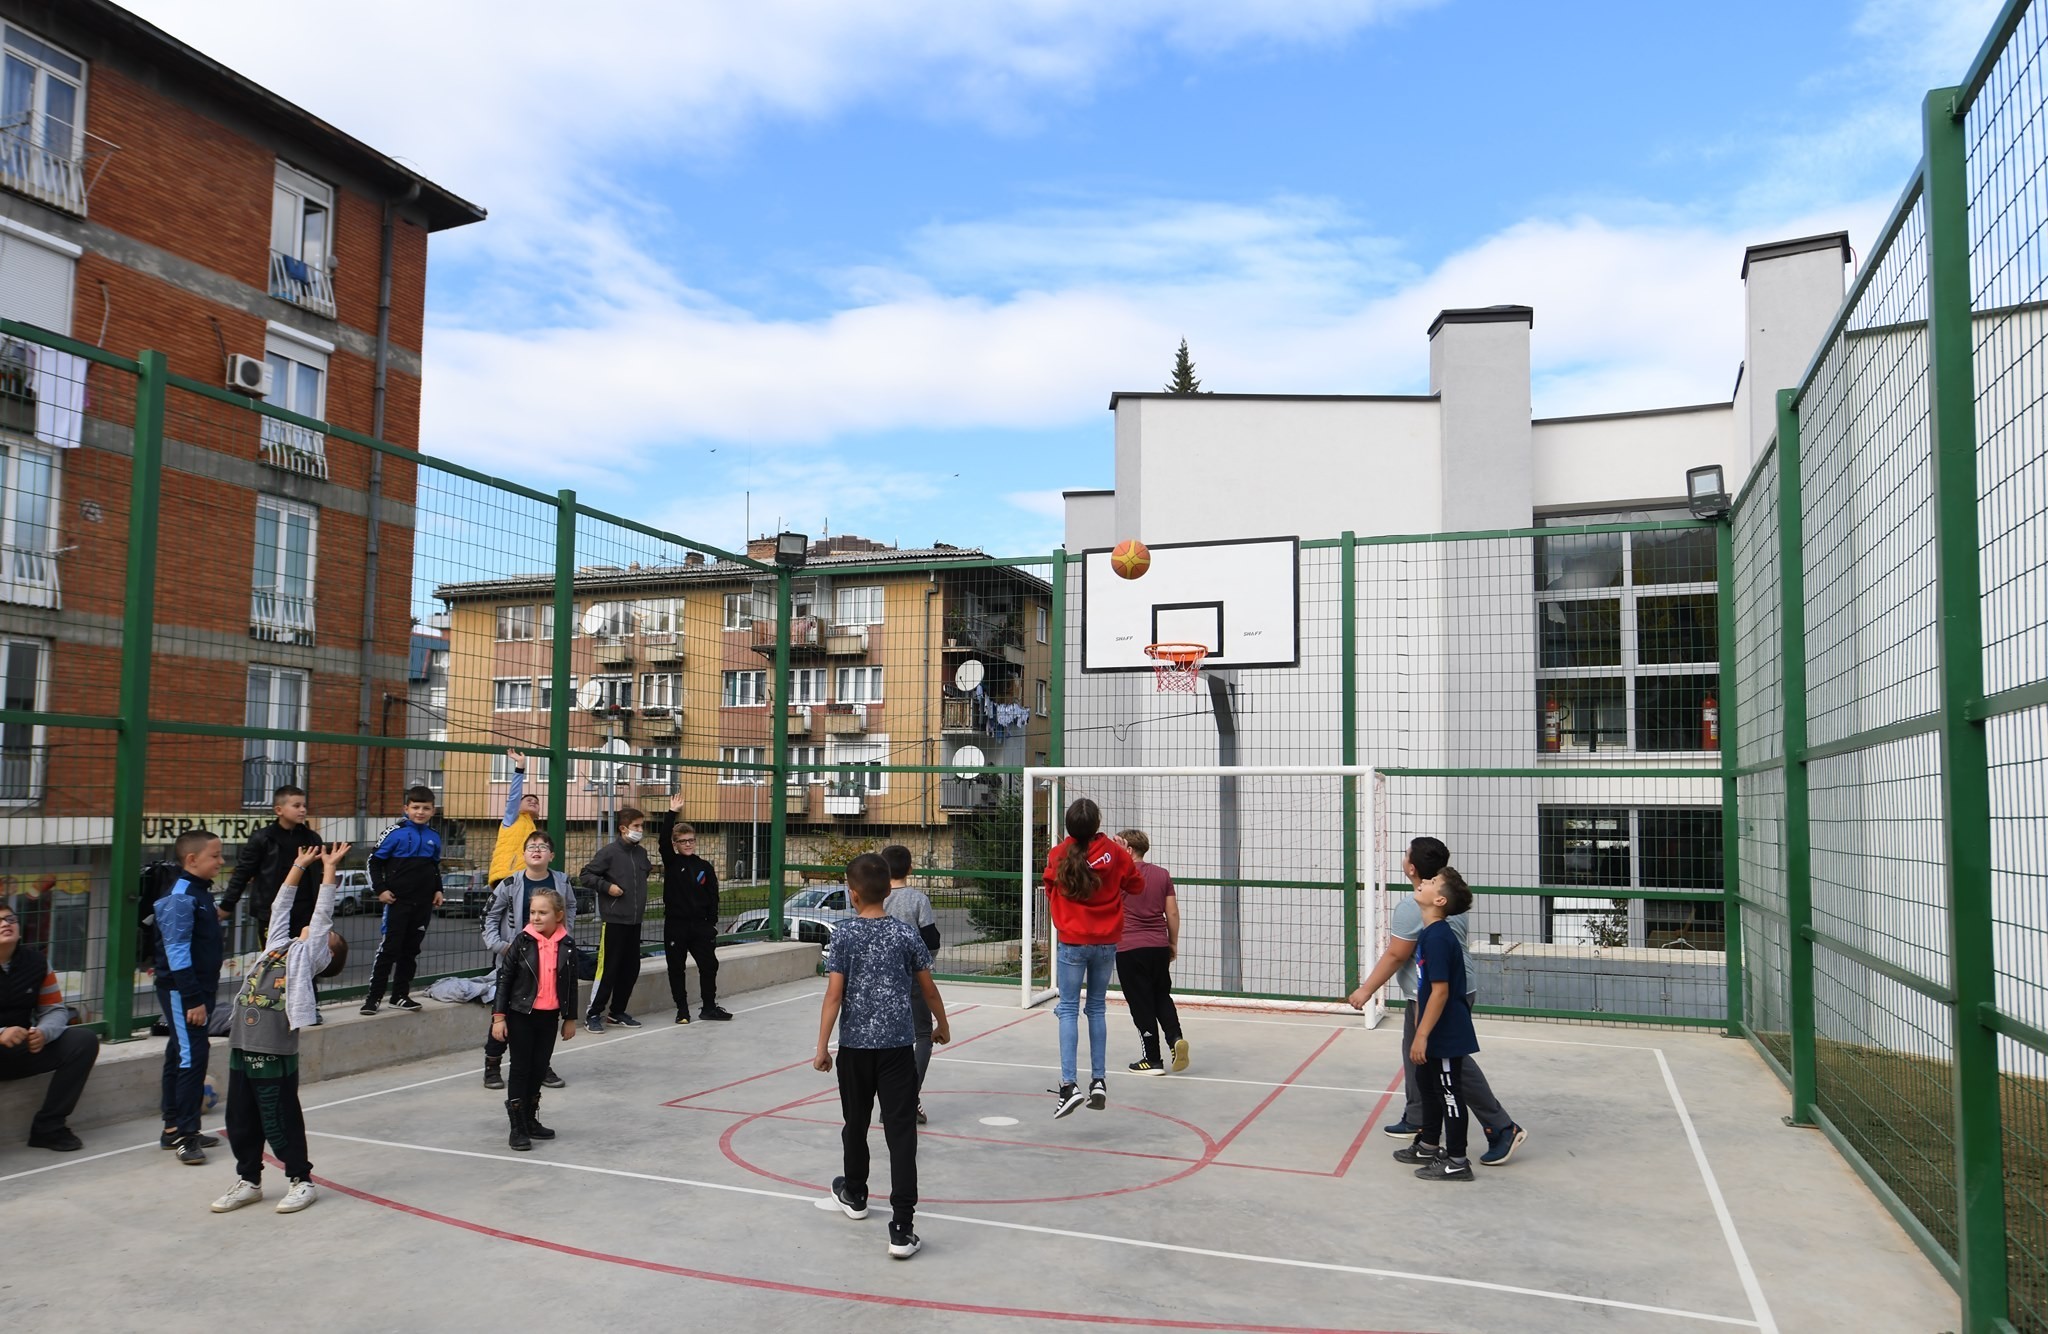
column 1490, row 653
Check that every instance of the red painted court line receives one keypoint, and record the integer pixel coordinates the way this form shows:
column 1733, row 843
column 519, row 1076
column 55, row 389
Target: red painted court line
column 1278, row 1089
column 781, row 1069
column 929, row 1133
column 1372, row 1118
column 802, row 1290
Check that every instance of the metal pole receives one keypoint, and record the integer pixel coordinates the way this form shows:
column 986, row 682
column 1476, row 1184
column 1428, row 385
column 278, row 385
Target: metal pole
column 778, row 821
column 1731, row 821
column 1056, row 724
column 131, row 746
column 1965, row 758
column 564, row 697
column 1798, row 834
column 1025, row 869
column 1347, row 677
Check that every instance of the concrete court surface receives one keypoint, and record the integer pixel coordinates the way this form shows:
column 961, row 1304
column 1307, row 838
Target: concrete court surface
column 1252, row 1192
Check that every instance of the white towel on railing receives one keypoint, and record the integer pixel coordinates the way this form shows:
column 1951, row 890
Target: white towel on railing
column 60, row 397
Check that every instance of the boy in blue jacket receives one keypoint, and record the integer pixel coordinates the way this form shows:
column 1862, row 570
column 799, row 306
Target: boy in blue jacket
column 188, row 958
column 405, row 870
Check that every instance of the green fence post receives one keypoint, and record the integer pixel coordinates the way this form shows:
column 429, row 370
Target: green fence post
column 778, row 816
column 1347, row 677
column 1731, row 818
column 565, row 629
column 1798, row 833
column 1965, row 759
column 131, row 746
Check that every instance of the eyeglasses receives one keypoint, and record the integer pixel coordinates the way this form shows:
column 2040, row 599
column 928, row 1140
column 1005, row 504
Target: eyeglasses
column 9, row 919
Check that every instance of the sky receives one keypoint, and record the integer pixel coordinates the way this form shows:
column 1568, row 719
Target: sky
column 876, row 267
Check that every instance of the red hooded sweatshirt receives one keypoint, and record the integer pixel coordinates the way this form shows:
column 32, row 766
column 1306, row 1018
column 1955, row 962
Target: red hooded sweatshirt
column 1099, row 920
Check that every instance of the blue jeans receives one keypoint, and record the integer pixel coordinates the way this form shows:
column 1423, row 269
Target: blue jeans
column 1076, row 966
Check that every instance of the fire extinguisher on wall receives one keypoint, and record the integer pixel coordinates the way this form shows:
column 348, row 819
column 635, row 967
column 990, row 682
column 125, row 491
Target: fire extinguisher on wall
column 1710, row 724
column 1553, row 732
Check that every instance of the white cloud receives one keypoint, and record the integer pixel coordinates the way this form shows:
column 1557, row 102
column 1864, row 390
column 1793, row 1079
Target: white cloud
column 1044, row 504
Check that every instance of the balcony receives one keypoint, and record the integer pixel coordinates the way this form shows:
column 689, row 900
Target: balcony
column 796, row 802
column 21, row 773
column 54, row 176
column 661, row 647
column 662, row 722
column 280, row 617
column 806, row 634
column 998, row 637
column 263, row 775
column 28, row 578
column 981, row 793
column 301, row 283
column 613, row 652
column 845, row 801
column 294, row 448
column 846, row 719
column 847, row 641
column 799, row 720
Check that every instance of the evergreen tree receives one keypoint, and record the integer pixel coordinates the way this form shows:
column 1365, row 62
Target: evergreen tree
column 1183, row 381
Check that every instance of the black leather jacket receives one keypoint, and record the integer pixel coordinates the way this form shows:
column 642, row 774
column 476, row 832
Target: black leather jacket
column 519, row 977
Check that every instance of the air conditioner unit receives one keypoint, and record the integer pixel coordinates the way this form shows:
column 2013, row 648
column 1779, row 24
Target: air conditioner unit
column 249, row 375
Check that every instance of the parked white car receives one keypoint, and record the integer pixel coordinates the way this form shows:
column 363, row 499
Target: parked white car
column 809, row 915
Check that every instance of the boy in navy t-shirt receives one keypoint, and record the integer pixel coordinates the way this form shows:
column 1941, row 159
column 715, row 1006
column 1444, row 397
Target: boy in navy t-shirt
column 1443, row 1032
column 874, row 965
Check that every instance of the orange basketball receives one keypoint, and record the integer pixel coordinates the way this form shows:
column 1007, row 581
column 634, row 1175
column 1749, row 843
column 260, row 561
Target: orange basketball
column 1130, row 559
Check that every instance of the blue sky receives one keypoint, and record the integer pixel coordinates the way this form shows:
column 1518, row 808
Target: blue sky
column 882, row 263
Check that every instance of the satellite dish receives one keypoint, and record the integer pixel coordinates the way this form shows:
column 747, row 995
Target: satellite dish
column 591, row 695
column 594, row 617
column 616, row 746
column 968, row 676
column 971, row 757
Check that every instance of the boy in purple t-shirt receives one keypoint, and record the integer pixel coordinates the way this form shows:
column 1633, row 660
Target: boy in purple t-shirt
column 1150, row 944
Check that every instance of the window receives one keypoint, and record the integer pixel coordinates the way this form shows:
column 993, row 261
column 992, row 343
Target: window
column 515, row 623
column 742, row 755
column 859, row 766
column 806, row 755
column 536, row 772
column 281, row 584
column 661, row 616
column 1658, row 849
column 617, row 691
column 277, row 699
column 546, row 685
column 42, row 121
column 28, row 525
column 512, row 694
column 24, row 665
column 858, row 685
column 614, row 620
column 1628, row 646
column 659, row 775
column 744, row 688
column 1044, row 699
column 298, row 383
column 858, row 606
column 301, row 239
column 660, row 690
column 743, row 609
column 806, row 686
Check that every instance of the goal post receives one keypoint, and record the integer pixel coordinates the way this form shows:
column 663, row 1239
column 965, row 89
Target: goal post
column 1258, row 854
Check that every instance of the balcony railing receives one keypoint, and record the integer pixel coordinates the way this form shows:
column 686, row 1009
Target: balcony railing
column 301, row 283
column 294, row 448
column 280, row 617
column 970, row 794
column 263, row 775
column 993, row 635
column 28, row 578
column 52, row 176
column 21, row 773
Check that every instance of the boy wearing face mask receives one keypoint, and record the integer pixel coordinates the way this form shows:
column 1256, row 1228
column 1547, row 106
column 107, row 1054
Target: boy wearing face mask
column 618, row 875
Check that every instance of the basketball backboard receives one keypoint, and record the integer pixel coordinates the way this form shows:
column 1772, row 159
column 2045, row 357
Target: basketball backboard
column 1241, row 599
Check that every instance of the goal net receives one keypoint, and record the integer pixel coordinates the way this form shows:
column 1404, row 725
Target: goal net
column 1276, row 872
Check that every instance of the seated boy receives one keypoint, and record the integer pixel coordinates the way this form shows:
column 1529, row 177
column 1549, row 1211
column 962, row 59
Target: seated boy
column 875, row 964
column 1443, row 1033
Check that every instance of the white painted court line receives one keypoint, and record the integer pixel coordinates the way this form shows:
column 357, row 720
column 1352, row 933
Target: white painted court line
column 417, row 1084
column 1198, row 1079
column 1750, row 1285
column 1362, row 1271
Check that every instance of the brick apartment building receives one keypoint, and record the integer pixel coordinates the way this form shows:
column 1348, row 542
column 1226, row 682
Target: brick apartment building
column 151, row 198
column 684, row 656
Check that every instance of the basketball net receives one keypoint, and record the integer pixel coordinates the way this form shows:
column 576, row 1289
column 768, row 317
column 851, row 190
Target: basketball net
column 1176, row 668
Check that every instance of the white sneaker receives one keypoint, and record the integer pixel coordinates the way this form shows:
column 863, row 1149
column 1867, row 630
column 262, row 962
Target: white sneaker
column 298, row 1197
column 244, row 1192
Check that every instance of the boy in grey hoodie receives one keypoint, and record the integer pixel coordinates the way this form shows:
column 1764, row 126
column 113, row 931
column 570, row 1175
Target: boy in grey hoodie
column 617, row 877
column 274, row 1003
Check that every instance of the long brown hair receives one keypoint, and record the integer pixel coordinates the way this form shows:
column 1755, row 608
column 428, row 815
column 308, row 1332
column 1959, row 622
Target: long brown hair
column 1075, row 877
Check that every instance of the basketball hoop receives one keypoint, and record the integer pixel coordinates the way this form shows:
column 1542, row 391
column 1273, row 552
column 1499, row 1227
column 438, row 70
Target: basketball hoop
column 1176, row 667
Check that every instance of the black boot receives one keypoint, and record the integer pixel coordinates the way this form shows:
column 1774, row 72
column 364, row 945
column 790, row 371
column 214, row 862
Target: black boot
column 534, row 1128
column 494, row 1077
column 516, row 1113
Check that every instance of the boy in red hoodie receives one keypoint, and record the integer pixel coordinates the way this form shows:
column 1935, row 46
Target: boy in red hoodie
column 1086, row 880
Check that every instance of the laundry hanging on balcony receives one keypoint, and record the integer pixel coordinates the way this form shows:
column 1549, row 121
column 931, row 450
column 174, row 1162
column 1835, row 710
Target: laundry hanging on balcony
column 59, row 382
column 297, row 269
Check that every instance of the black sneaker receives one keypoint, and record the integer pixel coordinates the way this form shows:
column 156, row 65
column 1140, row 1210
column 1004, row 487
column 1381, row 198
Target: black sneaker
column 920, row 1114
column 1145, row 1065
column 1446, row 1169
column 713, row 1012
column 1400, row 1129
column 170, row 1139
column 903, row 1243
column 625, row 1021
column 61, row 1140
column 550, row 1080
column 189, row 1151
column 594, row 1022
column 682, row 1016
column 494, row 1075
column 1098, row 1095
column 1069, row 1098
column 1418, row 1152
column 369, row 1007
column 843, row 1202
column 408, row 1004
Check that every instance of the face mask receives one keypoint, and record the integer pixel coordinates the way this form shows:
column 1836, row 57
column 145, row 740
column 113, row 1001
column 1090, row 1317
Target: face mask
column 632, row 836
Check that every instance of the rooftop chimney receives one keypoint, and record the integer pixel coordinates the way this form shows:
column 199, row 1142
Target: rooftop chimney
column 1479, row 370
column 1791, row 290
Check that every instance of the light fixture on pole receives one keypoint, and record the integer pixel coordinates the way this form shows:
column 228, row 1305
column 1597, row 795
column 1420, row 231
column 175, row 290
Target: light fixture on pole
column 792, row 549
column 1705, row 493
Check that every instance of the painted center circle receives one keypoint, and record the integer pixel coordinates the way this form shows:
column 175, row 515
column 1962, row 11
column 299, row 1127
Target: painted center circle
column 999, row 1120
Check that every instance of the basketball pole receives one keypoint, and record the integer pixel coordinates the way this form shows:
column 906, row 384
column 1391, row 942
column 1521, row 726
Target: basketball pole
column 1229, row 832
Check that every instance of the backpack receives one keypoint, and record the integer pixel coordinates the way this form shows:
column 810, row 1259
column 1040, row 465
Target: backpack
column 149, row 889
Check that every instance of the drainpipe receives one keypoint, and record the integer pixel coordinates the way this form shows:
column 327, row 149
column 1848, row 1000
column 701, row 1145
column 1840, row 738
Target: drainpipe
column 930, row 838
column 367, row 646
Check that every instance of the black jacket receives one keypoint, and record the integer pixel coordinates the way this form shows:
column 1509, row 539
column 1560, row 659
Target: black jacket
column 519, row 977
column 261, row 866
column 21, row 986
column 689, row 887
column 625, row 865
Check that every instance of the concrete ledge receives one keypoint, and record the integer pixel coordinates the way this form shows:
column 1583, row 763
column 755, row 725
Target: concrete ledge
column 128, row 1081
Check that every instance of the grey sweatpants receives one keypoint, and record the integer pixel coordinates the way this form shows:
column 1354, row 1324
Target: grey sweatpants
column 1485, row 1108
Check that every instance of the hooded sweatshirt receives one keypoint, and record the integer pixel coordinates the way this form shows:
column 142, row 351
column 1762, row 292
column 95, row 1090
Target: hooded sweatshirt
column 1098, row 920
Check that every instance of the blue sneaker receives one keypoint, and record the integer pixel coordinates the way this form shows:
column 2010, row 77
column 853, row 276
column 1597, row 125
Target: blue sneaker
column 1401, row 1130
column 1501, row 1147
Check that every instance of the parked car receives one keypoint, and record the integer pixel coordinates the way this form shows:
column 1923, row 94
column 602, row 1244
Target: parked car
column 809, row 915
column 464, row 893
column 352, row 894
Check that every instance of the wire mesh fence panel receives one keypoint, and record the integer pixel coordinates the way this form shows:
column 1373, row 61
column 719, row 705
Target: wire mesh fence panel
column 54, row 873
